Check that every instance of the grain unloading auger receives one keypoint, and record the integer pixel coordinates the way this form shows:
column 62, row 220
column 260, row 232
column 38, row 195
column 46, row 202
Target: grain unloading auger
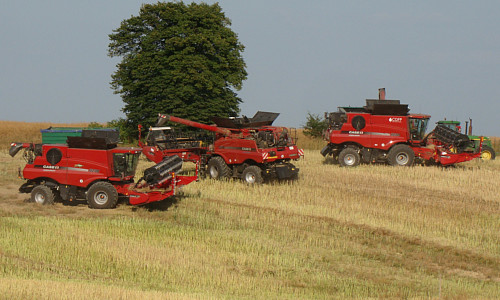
column 94, row 170
column 246, row 148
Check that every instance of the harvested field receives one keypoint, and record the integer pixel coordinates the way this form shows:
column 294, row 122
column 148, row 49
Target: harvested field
column 372, row 231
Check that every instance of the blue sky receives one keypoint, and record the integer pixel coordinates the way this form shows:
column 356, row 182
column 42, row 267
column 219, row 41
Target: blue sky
column 440, row 57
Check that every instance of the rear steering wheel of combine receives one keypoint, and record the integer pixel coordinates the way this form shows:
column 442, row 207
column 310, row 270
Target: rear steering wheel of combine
column 102, row 195
column 488, row 153
column 349, row 157
column 401, row 155
column 252, row 175
column 42, row 194
column 217, row 168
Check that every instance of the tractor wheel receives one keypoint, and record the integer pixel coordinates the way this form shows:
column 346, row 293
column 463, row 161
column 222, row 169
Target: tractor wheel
column 102, row 195
column 401, row 155
column 349, row 157
column 488, row 153
column 217, row 168
column 42, row 194
column 252, row 175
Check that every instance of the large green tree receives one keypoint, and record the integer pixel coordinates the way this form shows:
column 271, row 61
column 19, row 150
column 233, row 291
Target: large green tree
column 177, row 59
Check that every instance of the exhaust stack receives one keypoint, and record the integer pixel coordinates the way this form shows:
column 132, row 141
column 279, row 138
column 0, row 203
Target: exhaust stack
column 381, row 94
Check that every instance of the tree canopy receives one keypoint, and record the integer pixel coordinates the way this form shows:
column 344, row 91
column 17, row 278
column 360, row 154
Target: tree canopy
column 177, row 59
column 315, row 125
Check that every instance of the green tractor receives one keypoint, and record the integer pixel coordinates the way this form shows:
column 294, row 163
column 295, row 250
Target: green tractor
column 487, row 151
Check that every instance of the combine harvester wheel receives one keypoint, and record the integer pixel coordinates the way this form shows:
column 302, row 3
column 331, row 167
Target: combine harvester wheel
column 42, row 194
column 401, row 155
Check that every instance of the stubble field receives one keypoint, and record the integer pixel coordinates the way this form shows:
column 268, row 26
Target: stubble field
column 370, row 231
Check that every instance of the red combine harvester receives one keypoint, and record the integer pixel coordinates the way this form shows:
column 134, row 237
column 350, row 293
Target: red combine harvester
column 96, row 170
column 246, row 148
column 384, row 131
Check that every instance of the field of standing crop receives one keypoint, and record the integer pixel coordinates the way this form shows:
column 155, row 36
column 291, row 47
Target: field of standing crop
column 370, row 231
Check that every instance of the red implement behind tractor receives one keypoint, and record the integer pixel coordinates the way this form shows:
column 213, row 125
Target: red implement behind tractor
column 246, row 148
column 97, row 171
column 384, row 131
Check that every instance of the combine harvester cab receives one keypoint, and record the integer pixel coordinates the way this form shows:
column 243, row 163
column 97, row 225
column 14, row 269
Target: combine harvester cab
column 384, row 131
column 246, row 148
column 97, row 171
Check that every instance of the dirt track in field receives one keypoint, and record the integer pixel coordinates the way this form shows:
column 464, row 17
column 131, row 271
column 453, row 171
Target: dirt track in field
column 12, row 202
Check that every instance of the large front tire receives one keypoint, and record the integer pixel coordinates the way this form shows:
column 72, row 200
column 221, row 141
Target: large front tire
column 252, row 175
column 349, row 157
column 218, row 169
column 488, row 153
column 401, row 155
column 42, row 194
column 102, row 195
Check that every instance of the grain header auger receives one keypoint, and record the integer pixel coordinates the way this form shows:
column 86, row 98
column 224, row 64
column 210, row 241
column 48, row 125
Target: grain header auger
column 385, row 131
column 246, row 148
column 487, row 151
column 95, row 170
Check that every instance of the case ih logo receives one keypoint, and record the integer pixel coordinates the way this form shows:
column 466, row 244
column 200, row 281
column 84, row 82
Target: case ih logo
column 50, row 167
column 395, row 120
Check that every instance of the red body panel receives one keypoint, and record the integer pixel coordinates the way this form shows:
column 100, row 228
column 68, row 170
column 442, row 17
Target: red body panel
column 78, row 167
column 380, row 131
column 237, row 151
